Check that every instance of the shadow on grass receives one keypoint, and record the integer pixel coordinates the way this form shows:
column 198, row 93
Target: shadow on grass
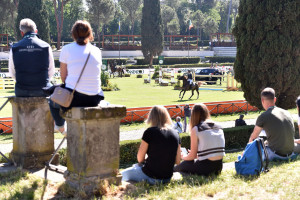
column 143, row 188
column 11, row 177
column 27, row 192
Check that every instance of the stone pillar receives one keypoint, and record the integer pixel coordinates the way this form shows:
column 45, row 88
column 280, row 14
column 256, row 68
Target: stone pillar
column 93, row 151
column 33, row 134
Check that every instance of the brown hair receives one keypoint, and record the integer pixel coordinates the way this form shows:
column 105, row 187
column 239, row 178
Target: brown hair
column 200, row 113
column 82, row 32
column 268, row 93
column 159, row 117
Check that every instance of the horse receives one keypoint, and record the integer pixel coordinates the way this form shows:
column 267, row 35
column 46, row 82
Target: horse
column 115, row 70
column 186, row 86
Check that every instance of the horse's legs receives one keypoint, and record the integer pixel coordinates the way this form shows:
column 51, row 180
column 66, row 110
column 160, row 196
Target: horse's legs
column 183, row 94
column 192, row 93
column 180, row 93
column 197, row 89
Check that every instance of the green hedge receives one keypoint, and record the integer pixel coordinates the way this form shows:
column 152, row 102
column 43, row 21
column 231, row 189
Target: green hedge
column 170, row 60
column 220, row 59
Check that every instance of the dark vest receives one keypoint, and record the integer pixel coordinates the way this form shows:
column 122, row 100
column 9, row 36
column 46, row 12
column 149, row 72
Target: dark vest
column 31, row 60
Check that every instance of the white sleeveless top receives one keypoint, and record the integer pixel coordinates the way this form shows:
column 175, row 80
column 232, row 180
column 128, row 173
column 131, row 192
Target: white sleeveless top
column 211, row 141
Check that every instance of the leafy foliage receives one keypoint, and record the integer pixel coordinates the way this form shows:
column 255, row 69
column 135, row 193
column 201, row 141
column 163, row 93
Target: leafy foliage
column 151, row 30
column 267, row 34
column 35, row 10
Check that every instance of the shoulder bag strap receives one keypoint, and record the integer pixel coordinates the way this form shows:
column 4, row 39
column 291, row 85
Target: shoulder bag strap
column 258, row 143
column 81, row 72
column 266, row 169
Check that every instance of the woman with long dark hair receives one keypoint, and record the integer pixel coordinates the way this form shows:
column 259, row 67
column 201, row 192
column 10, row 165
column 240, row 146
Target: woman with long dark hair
column 207, row 145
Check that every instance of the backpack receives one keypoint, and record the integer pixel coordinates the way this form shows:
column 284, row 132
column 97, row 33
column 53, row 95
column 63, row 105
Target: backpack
column 251, row 162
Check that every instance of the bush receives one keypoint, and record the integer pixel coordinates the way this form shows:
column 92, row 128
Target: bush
column 170, row 60
column 220, row 59
column 139, row 76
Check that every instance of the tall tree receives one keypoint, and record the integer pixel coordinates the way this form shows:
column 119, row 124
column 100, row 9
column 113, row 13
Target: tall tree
column 8, row 13
column 268, row 47
column 35, row 10
column 101, row 12
column 210, row 26
column 228, row 17
column 151, row 30
column 173, row 27
column 130, row 7
column 167, row 14
column 59, row 17
column 198, row 19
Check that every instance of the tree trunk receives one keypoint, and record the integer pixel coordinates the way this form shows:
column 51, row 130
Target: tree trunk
column 99, row 39
column 228, row 17
column 151, row 61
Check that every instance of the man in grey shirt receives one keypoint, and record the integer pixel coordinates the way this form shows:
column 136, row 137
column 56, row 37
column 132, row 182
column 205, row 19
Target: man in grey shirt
column 278, row 125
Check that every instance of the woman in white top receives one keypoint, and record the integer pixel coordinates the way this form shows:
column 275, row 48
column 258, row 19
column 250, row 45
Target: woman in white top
column 207, row 145
column 88, row 92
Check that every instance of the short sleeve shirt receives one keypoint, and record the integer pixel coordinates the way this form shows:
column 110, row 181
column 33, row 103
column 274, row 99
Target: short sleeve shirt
column 75, row 56
column 162, row 150
column 279, row 127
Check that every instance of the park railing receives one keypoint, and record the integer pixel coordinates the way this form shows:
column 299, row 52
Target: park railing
column 215, row 108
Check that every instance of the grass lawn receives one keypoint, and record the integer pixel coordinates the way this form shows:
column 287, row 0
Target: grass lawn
column 281, row 182
column 134, row 93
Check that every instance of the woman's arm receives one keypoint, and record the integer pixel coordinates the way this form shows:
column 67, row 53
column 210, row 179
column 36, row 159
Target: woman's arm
column 178, row 155
column 194, row 146
column 142, row 151
column 63, row 72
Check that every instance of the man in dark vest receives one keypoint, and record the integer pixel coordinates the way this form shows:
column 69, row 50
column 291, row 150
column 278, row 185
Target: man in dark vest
column 31, row 62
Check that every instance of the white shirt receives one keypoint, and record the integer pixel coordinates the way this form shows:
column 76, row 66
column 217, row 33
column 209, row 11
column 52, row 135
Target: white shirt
column 177, row 127
column 74, row 56
column 11, row 65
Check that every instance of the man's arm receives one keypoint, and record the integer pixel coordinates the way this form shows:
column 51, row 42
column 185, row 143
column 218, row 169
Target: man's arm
column 11, row 66
column 255, row 133
column 51, row 69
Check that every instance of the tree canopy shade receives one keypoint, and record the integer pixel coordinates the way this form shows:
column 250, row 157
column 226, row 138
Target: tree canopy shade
column 101, row 12
column 35, row 10
column 268, row 47
column 151, row 30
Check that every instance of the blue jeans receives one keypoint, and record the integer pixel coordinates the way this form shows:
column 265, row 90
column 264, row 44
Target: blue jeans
column 273, row 156
column 30, row 93
column 135, row 173
column 55, row 109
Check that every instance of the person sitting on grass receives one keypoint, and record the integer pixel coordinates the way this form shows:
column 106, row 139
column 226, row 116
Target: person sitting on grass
column 240, row 121
column 207, row 145
column 177, row 125
column 297, row 141
column 158, row 152
column 278, row 125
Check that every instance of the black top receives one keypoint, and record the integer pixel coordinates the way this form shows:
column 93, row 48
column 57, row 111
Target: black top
column 240, row 122
column 162, row 150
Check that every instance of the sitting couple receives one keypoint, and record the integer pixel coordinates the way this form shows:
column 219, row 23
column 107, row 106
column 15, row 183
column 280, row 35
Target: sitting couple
column 160, row 148
column 279, row 127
